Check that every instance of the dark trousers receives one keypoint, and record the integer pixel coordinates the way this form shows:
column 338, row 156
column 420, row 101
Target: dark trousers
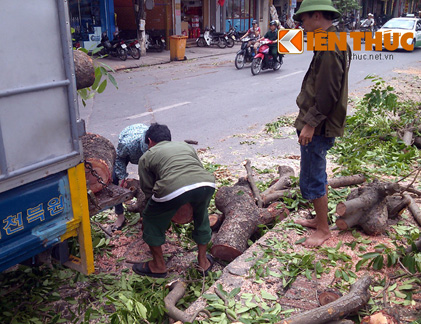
column 118, row 208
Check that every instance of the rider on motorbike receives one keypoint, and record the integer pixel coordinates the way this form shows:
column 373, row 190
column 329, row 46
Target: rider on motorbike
column 272, row 34
column 254, row 33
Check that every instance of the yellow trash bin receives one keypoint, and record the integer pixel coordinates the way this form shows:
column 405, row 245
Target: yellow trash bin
column 177, row 47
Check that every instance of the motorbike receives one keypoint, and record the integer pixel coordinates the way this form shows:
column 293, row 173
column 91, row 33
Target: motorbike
column 133, row 49
column 211, row 37
column 229, row 39
column 116, row 48
column 245, row 54
column 154, row 42
column 263, row 60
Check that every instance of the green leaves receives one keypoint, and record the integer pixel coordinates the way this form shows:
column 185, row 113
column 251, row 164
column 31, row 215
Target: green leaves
column 100, row 83
column 374, row 129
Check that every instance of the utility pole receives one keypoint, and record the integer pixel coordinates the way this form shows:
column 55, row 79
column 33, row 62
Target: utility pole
column 140, row 15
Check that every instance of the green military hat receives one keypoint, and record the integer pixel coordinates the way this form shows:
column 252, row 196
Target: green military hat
column 316, row 5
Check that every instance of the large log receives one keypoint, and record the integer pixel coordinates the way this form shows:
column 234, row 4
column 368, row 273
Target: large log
column 242, row 217
column 84, row 70
column 358, row 296
column 101, row 154
column 367, row 207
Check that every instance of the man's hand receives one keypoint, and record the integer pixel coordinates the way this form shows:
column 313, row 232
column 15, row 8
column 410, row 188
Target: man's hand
column 306, row 135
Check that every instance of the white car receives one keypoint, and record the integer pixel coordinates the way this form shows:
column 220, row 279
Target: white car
column 403, row 25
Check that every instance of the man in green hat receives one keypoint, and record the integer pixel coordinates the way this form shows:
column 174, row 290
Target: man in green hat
column 322, row 106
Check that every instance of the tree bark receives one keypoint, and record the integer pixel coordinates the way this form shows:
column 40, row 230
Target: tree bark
column 358, row 296
column 396, row 205
column 275, row 191
column 366, row 207
column 242, row 217
column 100, row 152
column 346, row 181
column 84, row 70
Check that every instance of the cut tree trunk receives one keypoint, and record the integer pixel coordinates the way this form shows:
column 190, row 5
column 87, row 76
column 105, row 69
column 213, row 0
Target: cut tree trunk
column 328, row 296
column 84, row 70
column 101, row 154
column 242, row 217
column 358, row 296
column 215, row 221
column 366, row 207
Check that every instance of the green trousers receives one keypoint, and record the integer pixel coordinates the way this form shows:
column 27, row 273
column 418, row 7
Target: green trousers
column 157, row 216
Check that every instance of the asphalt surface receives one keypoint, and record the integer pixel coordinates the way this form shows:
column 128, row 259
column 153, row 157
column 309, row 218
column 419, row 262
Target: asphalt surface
column 208, row 100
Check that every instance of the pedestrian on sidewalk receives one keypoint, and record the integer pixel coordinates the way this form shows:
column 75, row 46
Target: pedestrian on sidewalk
column 131, row 146
column 322, row 105
column 171, row 175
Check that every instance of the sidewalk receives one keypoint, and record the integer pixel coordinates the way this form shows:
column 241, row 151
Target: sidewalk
column 156, row 58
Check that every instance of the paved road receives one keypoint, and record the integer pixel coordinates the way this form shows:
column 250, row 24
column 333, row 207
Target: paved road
column 208, row 100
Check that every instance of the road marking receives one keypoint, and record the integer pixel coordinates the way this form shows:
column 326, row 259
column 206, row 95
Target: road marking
column 287, row 75
column 158, row 110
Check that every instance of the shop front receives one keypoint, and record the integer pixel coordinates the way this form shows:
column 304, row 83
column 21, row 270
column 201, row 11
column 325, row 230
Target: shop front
column 192, row 18
column 240, row 14
column 89, row 18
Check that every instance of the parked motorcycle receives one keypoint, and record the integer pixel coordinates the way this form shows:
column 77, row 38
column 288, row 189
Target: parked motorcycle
column 211, row 37
column 133, row 49
column 116, row 48
column 229, row 39
column 154, row 41
column 245, row 54
column 263, row 60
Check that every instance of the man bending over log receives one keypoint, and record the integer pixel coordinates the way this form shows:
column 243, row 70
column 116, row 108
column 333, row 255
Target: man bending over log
column 131, row 146
column 171, row 175
column 322, row 106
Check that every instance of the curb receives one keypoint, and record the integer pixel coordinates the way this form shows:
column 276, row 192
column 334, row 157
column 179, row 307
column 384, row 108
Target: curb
column 158, row 62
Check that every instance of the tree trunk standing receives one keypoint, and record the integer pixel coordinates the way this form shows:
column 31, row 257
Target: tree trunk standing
column 367, row 207
column 100, row 152
column 241, row 219
column 84, row 70
column 358, row 296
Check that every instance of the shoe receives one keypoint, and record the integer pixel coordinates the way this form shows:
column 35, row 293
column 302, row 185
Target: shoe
column 118, row 228
column 142, row 269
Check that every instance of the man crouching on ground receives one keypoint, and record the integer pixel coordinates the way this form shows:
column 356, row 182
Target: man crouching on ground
column 172, row 175
column 322, row 103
